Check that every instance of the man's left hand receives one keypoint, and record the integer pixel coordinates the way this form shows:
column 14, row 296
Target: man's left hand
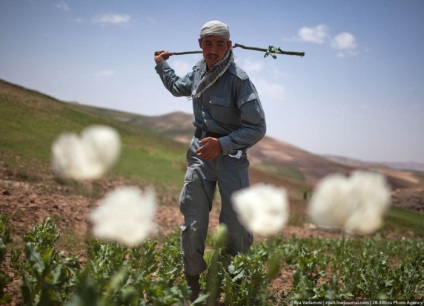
column 210, row 149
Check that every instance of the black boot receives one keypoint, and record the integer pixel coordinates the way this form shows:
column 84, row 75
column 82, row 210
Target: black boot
column 193, row 283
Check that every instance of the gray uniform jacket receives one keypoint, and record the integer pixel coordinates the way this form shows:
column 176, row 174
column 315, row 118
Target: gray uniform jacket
column 231, row 106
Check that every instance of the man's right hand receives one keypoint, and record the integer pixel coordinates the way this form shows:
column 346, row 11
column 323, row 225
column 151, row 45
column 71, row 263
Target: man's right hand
column 162, row 55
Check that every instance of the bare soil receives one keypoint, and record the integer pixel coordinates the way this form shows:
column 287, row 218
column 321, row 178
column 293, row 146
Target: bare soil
column 27, row 203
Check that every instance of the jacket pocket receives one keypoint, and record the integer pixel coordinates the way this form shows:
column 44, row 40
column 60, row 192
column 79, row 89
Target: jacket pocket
column 222, row 110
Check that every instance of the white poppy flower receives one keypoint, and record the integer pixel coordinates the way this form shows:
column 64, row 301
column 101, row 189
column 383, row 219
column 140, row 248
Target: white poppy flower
column 356, row 203
column 371, row 202
column 86, row 157
column 329, row 205
column 262, row 209
column 125, row 215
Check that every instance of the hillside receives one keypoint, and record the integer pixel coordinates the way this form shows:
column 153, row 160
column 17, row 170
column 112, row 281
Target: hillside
column 284, row 164
column 30, row 121
column 153, row 154
column 269, row 154
column 409, row 166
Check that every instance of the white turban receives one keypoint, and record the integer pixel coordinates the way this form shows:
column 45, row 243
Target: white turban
column 215, row 28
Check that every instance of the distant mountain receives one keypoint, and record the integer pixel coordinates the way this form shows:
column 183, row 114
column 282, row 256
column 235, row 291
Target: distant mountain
column 414, row 166
column 406, row 166
column 153, row 149
column 270, row 155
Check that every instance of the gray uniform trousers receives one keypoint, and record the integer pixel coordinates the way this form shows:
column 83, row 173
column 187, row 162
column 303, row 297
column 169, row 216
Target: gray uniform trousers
column 196, row 198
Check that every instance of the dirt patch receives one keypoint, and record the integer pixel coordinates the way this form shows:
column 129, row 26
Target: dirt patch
column 26, row 204
column 410, row 198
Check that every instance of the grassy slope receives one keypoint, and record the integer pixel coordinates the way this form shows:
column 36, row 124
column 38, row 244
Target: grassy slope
column 30, row 122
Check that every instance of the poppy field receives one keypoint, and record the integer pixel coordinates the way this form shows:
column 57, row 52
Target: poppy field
column 123, row 262
column 151, row 273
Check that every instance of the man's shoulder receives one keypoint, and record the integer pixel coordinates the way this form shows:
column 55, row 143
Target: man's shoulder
column 238, row 72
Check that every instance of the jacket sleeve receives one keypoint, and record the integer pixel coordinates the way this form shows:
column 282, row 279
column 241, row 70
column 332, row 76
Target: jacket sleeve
column 252, row 119
column 176, row 86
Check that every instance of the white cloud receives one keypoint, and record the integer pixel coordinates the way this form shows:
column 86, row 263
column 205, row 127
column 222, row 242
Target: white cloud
column 104, row 73
column 149, row 20
column 114, row 19
column 268, row 90
column 316, row 34
column 345, row 43
column 63, row 6
column 252, row 66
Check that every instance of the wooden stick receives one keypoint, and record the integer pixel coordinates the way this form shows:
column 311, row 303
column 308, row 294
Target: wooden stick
column 269, row 50
column 186, row 52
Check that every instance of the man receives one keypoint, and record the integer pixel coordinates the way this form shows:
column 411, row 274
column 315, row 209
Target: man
column 229, row 118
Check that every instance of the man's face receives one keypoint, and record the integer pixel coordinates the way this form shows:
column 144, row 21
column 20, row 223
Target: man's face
column 214, row 49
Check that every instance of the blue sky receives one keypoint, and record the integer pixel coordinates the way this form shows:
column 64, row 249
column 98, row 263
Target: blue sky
column 357, row 93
